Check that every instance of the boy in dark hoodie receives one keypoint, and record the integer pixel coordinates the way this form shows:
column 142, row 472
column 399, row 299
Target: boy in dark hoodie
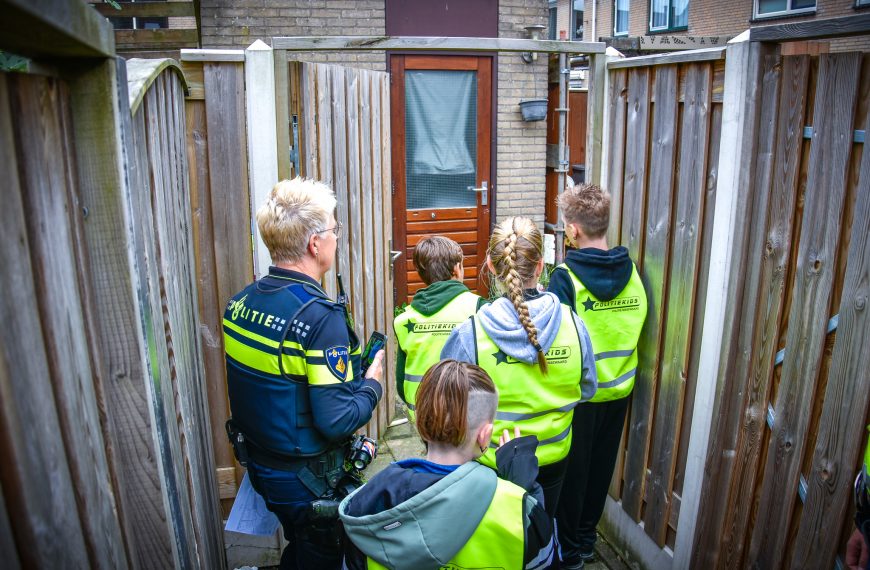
column 423, row 327
column 604, row 288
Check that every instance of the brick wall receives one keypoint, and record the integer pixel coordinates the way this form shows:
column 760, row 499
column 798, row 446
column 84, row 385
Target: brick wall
column 521, row 150
column 563, row 18
column 717, row 18
column 238, row 23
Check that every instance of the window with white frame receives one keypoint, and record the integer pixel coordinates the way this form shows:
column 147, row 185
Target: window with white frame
column 669, row 15
column 774, row 8
column 620, row 17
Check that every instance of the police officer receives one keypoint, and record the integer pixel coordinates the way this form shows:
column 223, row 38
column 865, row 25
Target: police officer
column 603, row 286
column 535, row 349
column 448, row 511
column 293, row 373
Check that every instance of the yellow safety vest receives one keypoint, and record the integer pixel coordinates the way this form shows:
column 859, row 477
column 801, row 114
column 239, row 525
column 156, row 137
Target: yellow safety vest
column 541, row 405
column 422, row 337
column 614, row 327
column 499, row 540
column 867, row 468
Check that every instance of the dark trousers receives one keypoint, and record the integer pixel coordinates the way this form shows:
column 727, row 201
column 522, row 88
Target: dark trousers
column 551, row 478
column 286, row 496
column 597, row 432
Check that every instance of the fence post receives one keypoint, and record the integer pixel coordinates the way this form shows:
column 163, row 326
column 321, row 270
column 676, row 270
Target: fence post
column 739, row 126
column 262, row 137
column 596, row 115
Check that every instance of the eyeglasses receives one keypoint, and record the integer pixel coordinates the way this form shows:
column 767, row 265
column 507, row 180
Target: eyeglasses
column 336, row 229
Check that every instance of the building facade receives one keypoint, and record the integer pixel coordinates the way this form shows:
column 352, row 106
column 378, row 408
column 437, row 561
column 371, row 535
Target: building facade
column 653, row 24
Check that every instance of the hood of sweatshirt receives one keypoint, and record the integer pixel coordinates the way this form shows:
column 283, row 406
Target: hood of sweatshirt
column 404, row 519
column 605, row 273
column 432, row 299
column 501, row 322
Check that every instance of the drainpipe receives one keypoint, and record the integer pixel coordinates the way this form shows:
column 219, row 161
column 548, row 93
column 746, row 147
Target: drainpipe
column 594, row 38
column 563, row 164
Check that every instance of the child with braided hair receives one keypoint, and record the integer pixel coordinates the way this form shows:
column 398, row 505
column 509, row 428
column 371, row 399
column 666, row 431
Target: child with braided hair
column 536, row 350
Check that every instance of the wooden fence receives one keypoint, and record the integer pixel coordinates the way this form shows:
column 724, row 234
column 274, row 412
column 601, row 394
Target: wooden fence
column 102, row 408
column 793, row 385
column 741, row 188
column 664, row 122
column 341, row 139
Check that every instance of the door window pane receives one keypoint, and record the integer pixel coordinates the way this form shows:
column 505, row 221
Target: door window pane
column 440, row 138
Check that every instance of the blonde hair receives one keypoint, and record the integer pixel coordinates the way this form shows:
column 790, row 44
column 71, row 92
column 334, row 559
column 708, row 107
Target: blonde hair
column 435, row 257
column 588, row 206
column 294, row 211
column 515, row 249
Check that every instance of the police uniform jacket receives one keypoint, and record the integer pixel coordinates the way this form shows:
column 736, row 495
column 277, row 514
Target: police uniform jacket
column 307, row 396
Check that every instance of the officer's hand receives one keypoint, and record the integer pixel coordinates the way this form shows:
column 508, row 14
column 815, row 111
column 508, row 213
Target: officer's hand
column 376, row 369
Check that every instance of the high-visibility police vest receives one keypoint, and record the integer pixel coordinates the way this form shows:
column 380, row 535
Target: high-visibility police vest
column 614, row 327
column 423, row 336
column 499, row 540
column 541, row 405
column 271, row 409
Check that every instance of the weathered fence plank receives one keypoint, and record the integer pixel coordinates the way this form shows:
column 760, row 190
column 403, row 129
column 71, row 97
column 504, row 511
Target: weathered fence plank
column 846, row 398
column 354, row 206
column 114, row 282
column 43, row 145
column 43, row 505
column 389, row 402
column 616, row 133
column 689, row 206
column 832, row 140
column 228, row 176
column 633, row 237
column 771, row 254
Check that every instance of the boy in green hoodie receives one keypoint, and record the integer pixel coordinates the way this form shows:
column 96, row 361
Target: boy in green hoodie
column 424, row 325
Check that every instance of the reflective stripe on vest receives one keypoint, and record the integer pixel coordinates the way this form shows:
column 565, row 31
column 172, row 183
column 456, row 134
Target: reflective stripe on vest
column 499, row 540
column 540, row 405
column 422, row 337
column 614, row 327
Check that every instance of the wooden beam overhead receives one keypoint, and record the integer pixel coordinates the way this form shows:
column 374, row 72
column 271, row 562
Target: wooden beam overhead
column 410, row 43
column 54, row 28
column 813, row 29
column 709, row 54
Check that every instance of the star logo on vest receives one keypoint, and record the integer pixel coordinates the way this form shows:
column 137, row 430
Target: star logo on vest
column 588, row 304
column 410, row 326
column 336, row 361
column 500, row 357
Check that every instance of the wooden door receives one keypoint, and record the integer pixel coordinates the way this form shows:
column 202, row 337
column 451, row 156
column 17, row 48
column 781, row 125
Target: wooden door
column 441, row 142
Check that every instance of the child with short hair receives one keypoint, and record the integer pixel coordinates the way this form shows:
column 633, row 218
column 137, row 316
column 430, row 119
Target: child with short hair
column 423, row 327
column 604, row 288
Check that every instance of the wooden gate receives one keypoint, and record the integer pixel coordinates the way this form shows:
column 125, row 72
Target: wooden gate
column 793, row 386
column 664, row 124
column 742, row 188
column 334, row 122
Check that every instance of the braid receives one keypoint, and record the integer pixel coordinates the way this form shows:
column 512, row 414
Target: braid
column 514, row 283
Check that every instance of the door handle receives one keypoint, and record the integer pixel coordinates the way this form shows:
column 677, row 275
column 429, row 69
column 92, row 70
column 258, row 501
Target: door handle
column 484, row 192
column 394, row 255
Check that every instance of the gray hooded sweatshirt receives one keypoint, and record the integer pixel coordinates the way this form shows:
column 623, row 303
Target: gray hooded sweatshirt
column 500, row 321
column 427, row 529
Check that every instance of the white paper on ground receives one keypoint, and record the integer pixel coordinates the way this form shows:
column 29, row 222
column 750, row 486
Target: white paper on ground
column 249, row 514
